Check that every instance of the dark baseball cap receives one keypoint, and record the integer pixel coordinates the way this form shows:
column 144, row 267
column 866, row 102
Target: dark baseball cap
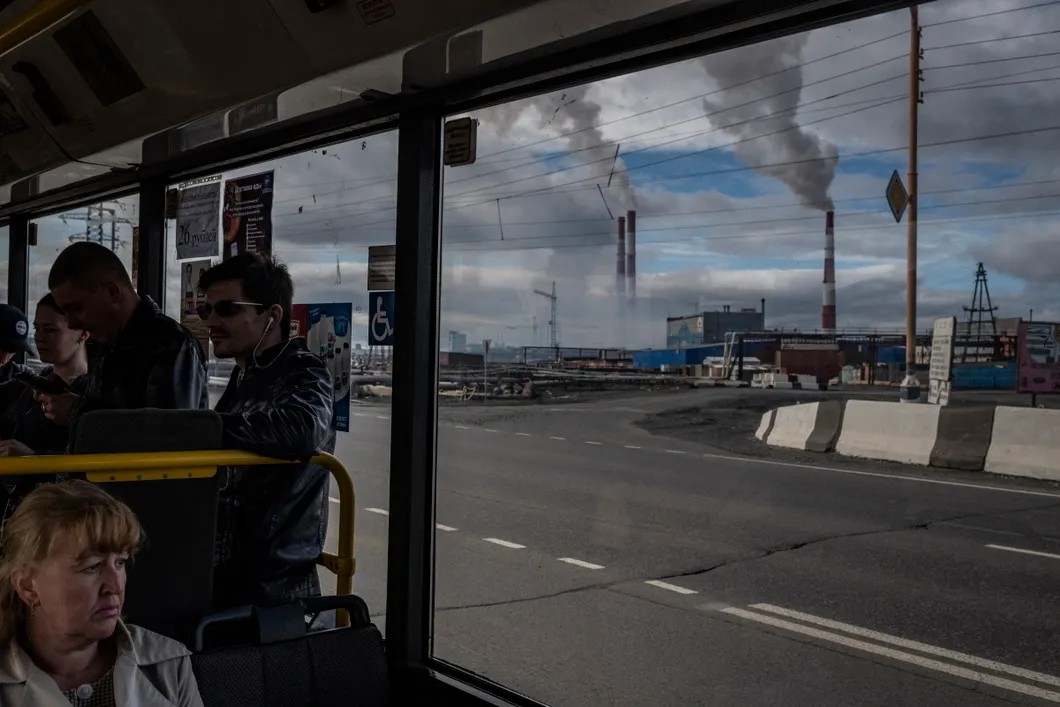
column 14, row 330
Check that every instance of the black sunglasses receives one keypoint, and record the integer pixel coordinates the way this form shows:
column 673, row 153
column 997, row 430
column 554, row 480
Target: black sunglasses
column 224, row 308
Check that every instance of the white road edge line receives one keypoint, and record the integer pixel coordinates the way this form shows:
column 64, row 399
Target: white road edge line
column 899, row 477
column 893, row 654
column 984, row 663
column 446, row 528
column 1024, row 552
column 380, row 511
column 670, row 587
column 504, row 543
column 580, row 563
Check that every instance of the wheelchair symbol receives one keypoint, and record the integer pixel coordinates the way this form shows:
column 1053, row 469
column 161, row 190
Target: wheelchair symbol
column 381, row 328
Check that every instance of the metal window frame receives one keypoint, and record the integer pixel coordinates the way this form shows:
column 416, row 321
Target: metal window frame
column 418, row 117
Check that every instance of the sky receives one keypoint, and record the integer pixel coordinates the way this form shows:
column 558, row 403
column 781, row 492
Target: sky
column 729, row 161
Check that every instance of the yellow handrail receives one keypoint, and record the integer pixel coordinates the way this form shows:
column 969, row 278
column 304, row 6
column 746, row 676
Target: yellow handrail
column 134, row 466
column 41, row 17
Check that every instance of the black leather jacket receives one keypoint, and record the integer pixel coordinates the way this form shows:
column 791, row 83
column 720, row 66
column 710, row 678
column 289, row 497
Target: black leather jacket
column 154, row 362
column 272, row 520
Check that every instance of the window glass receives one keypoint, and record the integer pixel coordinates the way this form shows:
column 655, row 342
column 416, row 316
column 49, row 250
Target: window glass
column 328, row 207
column 634, row 273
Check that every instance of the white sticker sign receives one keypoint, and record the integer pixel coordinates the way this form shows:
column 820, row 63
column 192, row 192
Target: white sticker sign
column 198, row 216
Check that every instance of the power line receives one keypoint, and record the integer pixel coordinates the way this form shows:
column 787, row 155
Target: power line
column 991, row 14
column 993, row 85
column 702, row 95
column 994, row 39
column 993, row 61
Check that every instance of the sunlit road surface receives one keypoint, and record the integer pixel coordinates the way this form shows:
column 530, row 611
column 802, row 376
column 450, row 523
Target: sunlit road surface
column 583, row 561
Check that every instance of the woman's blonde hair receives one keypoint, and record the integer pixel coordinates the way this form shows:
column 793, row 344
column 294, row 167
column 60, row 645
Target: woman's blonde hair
column 97, row 521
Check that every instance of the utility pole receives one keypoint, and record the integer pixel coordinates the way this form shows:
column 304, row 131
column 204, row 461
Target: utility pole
column 485, row 373
column 911, row 385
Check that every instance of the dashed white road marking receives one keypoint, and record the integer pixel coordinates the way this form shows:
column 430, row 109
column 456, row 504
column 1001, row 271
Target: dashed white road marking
column 893, row 654
column 581, row 563
column 462, row 427
column 984, row 530
column 486, row 429
column 674, row 451
column 881, row 475
column 504, row 543
column 446, row 528
column 1024, row 552
column 380, row 511
column 984, row 663
column 561, row 439
column 670, row 587
column 633, row 446
column 523, row 434
column 382, row 417
column 595, row 444
column 333, row 499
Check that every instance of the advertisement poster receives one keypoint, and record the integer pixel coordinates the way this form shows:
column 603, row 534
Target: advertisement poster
column 197, row 209
column 247, row 216
column 190, row 299
column 327, row 330
column 1039, row 358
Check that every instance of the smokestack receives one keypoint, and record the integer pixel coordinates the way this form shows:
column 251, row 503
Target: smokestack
column 828, row 322
column 631, row 252
column 620, row 271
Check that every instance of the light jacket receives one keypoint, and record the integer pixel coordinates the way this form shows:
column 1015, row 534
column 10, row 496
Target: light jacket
column 150, row 671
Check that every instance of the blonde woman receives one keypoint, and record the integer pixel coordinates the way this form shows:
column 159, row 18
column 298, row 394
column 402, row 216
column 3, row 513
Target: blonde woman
column 62, row 587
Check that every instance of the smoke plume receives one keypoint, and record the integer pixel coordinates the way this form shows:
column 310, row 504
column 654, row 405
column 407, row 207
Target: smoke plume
column 811, row 175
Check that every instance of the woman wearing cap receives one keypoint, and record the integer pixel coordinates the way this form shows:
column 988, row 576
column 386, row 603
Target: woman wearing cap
column 62, row 587
column 14, row 339
column 24, row 429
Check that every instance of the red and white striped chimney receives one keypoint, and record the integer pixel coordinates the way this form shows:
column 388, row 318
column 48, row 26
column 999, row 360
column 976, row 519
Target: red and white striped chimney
column 828, row 322
column 620, row 269
column 631, row 252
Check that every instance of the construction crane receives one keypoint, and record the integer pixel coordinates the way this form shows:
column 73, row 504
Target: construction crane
column 553, row 325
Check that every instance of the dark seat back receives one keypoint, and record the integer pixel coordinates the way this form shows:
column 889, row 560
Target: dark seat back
column 171, row 581
column 290, row 668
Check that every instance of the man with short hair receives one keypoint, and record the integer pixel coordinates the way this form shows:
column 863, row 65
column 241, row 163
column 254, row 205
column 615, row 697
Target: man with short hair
column 272, row 520
column 14, row 339
column 140, row 357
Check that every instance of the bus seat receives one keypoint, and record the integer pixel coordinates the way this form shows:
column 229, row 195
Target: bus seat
column 283, row 666
column 171, row 581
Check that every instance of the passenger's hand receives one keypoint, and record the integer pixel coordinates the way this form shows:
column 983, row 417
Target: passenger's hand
column 14, row 448
column 57, row 407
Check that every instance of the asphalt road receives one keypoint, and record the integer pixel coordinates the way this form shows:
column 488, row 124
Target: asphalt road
column 584, row 561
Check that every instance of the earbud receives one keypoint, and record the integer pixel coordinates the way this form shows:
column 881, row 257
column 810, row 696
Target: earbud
column 268, row 326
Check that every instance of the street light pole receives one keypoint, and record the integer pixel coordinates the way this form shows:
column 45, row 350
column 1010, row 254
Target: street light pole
column 485, row 373
column 911, row 385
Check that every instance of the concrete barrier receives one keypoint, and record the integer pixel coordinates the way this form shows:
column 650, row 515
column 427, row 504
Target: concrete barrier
column 889, row 431
column 810, row 427
column 963, row 438
column 766, row 425
column 1025, row 443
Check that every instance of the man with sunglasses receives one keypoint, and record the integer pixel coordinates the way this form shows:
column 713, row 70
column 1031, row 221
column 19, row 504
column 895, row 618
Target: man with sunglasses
column 139, row 357
column 271, row 521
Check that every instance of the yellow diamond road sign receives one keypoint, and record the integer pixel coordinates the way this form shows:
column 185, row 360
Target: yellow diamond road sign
column 897, row 196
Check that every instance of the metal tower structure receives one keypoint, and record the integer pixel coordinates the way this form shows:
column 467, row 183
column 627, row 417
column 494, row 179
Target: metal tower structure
column 553, row 324
column 980, row 316
column 101, row 224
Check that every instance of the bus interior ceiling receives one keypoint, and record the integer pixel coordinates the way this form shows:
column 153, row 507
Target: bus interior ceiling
column 116, row 96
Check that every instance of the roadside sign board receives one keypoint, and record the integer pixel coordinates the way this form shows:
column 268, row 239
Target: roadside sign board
column 941, row 360
column 382, row 260
column 1039, row 358
column 897, row 197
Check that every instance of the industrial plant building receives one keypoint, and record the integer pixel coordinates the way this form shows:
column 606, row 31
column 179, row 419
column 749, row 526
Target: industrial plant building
column 712, row 327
